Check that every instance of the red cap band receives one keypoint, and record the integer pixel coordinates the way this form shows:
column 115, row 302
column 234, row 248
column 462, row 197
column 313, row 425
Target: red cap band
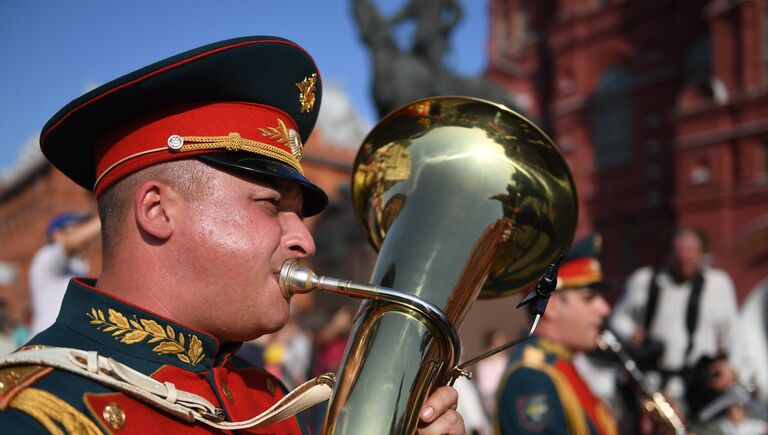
column 198, row 129
column 580, row 272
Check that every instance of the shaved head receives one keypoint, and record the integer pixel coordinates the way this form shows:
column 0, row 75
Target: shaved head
column 116, row 203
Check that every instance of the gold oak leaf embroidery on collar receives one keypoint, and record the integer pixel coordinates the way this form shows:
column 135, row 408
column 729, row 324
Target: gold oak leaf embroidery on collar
column 133, row 331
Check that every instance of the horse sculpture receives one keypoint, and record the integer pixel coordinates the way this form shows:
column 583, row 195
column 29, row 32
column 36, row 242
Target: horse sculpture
column 401, row 77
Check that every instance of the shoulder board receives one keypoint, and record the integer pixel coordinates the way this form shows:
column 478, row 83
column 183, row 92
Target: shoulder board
column 53, row 412
column 13, row 379
column 533, row 357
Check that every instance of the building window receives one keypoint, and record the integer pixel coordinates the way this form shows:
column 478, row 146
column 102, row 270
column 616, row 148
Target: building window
column 700, row 173
column 500, row 28
column 765, row 43
column 764, row 159
column 629, row 243
column 520, row 30
column 698, row 60
column 613, row 119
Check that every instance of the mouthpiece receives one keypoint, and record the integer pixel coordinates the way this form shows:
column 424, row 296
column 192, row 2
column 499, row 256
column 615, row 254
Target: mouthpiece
column 295, row 280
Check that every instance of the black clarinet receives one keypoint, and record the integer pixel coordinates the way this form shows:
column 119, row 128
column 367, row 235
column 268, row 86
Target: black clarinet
column 653, row 401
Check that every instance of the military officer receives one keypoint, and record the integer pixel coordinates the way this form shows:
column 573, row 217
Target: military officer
column 541, row 391
column 195, row 162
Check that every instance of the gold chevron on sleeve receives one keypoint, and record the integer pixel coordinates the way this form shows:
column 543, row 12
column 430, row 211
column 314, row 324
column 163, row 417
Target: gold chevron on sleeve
column 53, row 413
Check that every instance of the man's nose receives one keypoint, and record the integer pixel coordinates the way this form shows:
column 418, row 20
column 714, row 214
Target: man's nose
column 296, row 236
column 603, row 307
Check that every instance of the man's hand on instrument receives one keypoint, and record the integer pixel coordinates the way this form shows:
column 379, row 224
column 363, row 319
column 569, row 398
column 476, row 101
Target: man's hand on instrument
column 638, row 337
column 653, row 422
column 721, row 375
column 439, row 415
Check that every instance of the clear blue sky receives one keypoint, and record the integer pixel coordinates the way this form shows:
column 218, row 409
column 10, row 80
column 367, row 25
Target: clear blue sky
column 52, row 51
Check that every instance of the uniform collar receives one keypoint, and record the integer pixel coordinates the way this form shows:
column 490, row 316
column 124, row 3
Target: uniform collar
column 127, row 328
column 553, row 348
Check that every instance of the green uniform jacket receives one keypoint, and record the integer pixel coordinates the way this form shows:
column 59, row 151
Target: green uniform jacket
column 38, row 399
column 541, row 392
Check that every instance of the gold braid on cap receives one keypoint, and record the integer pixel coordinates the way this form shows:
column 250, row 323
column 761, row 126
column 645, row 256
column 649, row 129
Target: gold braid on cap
column 234, row 142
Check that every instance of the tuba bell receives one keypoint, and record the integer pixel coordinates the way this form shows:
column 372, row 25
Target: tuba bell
column 463, row 198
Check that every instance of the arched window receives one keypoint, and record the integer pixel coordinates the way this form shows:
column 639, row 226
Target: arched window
column 765, row 42
column 613, row 119
column 698, row 60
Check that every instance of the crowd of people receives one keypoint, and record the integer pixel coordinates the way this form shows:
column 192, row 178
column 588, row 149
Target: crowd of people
column 202, row 198
column 678, row 320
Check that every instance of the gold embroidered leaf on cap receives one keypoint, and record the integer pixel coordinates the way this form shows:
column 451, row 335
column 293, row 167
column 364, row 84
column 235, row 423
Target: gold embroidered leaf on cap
column 134, row 331
column 283, row 135
column 279, row 134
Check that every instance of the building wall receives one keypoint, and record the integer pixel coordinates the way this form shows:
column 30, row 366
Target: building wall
column 687, row 80
column 25, row 211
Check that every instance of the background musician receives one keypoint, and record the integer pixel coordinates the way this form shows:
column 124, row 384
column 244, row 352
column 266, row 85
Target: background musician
column 541, row 391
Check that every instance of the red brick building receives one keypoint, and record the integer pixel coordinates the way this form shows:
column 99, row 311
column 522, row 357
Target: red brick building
column 659, row 106
column 34, row 195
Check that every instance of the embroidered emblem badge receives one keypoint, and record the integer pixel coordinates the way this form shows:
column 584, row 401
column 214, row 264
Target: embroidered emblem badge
column 307, row 93
column 533, row 411
column 283, row 135
column 297, row 148
column 133, row 331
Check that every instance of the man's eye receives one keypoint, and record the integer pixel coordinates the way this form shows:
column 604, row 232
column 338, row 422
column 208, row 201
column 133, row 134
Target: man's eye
column 271, row 201
column 591, row 295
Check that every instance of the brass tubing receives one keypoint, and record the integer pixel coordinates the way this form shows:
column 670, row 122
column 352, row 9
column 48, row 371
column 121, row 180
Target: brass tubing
column 295, row 279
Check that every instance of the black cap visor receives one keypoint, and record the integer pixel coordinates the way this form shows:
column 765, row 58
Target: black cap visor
column 315, row 199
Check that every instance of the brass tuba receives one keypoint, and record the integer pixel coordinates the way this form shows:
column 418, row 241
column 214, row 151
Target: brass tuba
column 462, row 198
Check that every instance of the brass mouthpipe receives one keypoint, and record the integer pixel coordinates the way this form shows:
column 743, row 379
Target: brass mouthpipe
column 295, row 279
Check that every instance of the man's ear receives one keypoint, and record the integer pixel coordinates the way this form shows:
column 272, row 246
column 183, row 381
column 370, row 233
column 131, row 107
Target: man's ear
column 155, row 207
column 554, row 305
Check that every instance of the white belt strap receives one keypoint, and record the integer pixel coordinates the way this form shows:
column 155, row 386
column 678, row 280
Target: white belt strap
column 166, row 396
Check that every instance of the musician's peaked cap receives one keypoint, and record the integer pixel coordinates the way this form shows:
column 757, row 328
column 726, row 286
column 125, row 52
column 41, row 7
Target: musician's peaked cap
column 581, row 266
column 246, row 104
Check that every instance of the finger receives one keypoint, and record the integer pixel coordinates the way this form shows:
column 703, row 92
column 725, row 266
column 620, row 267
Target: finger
column 442, row 400
column 450, row 423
